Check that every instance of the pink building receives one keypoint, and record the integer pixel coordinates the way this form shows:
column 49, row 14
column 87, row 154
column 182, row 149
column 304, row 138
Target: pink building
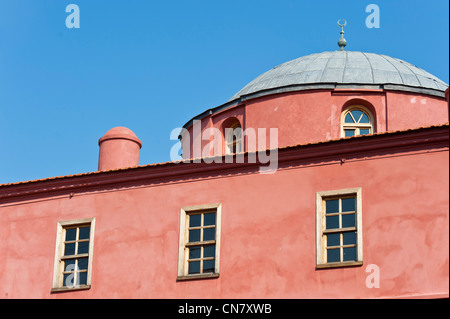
column 325, row 177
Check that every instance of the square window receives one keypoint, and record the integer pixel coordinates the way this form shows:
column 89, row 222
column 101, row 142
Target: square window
column 209, row 234
column 208, row 266
column 71, row 234
column 209, row 251
column 349, row 238
column 332, row 222
column 195, row 220
column 332, row 206
column 349, row 253
column 333, row 240
column 195, row 252
column 194, row 267
column 84, row 232
column 348, row 220
column 209, row 219
column 69, row 249
column 333, row 255
column 348, row 204
column 194, row 235
column 83, row 263
column 69, row 265
column 82, row 278
column 83, row 247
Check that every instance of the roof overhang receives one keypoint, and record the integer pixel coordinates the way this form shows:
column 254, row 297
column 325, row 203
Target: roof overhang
column 339, row 151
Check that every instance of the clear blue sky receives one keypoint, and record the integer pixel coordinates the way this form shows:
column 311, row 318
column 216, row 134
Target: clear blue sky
column 153, row 65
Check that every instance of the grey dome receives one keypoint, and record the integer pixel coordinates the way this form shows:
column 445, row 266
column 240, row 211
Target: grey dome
column 346, row 69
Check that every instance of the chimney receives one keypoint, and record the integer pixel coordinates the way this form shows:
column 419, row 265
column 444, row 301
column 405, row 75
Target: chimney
column 119, row 148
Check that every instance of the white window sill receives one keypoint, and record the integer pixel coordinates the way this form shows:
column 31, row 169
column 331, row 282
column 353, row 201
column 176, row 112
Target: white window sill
column 340, row 264
column 63, row 289
column 198, row 276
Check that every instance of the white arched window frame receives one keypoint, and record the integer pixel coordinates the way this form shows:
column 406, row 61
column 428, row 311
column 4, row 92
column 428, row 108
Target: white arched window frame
column 356, row 120
column 233, row 139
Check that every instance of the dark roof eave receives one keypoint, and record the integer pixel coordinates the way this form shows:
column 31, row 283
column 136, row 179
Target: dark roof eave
column 342, row 148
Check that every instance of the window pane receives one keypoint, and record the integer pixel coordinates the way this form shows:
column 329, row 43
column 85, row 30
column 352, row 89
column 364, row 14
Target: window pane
column 334, row 255
column 194, row 267
column 349, row 133
column 82, row 278
column 332, row 222
column 364, row 131
column 69, row 249
column 84, row 232
column 238, row 146
column 195, row 252
column 238, row 132
column 332, row 206
column 357, row 115
column 350, row 254
column 209, row 251
column 349, row 220
column 209, row 266
column 349, row 238
column 195, row 220
column 69, row 265
column 71, row 234
column 348, row 118
column 83, row 263
column 83, row 247
column 194, row 235
column 333, row 239
column 364, row 119
column 348, row 204
column 68, row 280
column 209, row 219
column 209, row 234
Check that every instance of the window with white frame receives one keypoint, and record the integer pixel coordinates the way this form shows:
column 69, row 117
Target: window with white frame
column 199, row 243
column 339, row 228
column 73, row 255
column 356, row 121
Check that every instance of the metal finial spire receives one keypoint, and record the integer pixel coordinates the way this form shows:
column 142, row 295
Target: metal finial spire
column 342, row 42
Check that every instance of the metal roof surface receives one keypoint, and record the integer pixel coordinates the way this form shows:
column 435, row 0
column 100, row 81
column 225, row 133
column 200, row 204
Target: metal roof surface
column 343, row 67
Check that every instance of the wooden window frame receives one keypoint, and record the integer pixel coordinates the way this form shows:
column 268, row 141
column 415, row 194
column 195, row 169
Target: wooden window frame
column 321, row 232
column 183, row 249
column 357, row 126
column 58, row 271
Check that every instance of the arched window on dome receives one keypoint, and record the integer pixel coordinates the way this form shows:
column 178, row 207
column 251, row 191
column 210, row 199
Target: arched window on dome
column 233, row 138
column 356, row 121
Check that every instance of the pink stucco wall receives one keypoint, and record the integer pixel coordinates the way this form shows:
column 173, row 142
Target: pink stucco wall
column 268, row 244
column 415, row 109
column 311, row 116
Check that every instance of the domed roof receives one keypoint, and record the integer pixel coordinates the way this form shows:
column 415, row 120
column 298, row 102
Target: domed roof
column 347, row 69
column 120, row 132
